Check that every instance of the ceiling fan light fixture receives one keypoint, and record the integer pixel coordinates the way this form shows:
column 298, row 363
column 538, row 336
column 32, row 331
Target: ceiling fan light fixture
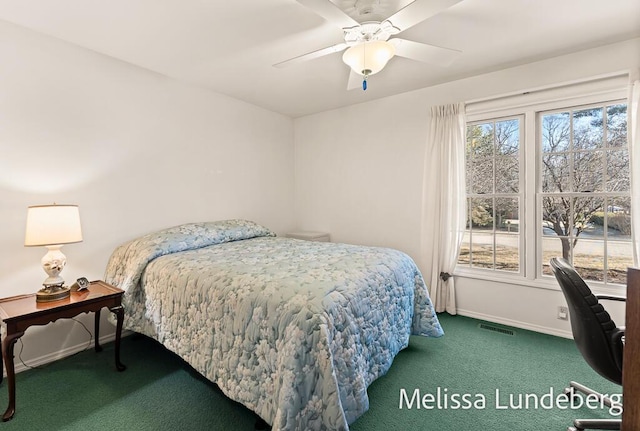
column 368, row 58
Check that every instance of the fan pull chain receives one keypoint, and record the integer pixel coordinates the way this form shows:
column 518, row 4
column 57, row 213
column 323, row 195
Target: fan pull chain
column 364, row 63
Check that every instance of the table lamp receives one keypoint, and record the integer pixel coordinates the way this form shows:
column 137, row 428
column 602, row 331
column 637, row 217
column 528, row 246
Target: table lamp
column 53, row 226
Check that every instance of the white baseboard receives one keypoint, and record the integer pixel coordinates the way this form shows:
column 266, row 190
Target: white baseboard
column 59, row 354
column 516, row 324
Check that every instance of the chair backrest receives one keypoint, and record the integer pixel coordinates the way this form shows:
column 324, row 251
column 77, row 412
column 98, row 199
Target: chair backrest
column 595, row 334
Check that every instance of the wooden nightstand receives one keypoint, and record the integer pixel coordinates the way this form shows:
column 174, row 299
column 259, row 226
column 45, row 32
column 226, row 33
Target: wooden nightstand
column 309, row 236
column 20, row 312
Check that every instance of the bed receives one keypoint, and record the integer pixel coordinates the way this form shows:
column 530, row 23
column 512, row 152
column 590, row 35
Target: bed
column 294, row 330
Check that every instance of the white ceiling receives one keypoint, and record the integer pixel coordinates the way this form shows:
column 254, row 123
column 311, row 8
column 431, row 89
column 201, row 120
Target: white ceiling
column 230, row 46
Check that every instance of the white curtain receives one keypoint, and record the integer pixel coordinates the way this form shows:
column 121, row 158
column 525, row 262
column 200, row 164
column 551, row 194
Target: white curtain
column 633, row 132
column 443, row 202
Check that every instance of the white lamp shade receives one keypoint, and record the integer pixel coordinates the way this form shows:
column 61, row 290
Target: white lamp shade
column 368, row 58
column 52, row 225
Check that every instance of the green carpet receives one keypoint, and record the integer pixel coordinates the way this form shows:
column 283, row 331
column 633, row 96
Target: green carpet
column 158, row 391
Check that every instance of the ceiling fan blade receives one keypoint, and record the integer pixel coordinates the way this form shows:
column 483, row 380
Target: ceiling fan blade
column 355, row 81
column 330, row 12
column 417, row 11
column 311, row 55
column 423, row 52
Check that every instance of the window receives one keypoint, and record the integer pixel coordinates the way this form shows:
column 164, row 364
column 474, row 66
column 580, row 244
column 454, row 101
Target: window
column 585, row 199
column 559, row 188
column 492, row 239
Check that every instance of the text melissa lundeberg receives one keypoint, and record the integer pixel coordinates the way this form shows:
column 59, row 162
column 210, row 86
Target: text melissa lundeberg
column 443, row 399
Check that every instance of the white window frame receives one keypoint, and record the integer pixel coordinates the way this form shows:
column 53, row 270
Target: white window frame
column 599, row 90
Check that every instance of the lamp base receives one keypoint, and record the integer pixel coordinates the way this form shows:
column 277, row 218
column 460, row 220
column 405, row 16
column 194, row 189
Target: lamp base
column 53, row 293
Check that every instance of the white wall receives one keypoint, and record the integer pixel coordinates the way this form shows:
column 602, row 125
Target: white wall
column 358, row 174
column 136, row 150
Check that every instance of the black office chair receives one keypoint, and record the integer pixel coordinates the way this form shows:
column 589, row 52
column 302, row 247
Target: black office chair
column 598, row 338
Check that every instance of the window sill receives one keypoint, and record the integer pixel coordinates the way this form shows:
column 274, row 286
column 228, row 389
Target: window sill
column 548, row 283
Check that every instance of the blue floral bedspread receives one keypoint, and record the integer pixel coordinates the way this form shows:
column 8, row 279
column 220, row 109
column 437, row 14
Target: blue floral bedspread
column 294, row 330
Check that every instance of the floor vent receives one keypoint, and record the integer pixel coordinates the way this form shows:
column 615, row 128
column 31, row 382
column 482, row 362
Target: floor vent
column 498, row 329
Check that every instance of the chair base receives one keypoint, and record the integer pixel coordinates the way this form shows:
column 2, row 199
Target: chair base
column 595, row 424
column 592, row 424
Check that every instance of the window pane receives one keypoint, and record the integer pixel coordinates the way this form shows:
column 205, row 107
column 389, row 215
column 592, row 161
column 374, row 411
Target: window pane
column 482, row 175
column 556, row 132
column 507, row 137
column 588, row 217
column 619, row 258
column 617, row 125
column 482, row 256
column 588, row 170
column 556, row 215
column 507, row 215
column 482, row 214
column 507, row 175
column 507, row 252
column 465, row 250
column 588, row 258
column 619, row 219
column 469, row 208
column 618, row 175
column 553, row 247
column 480, row 140
column 555, row 173
column 588, row 129
column 482, row 253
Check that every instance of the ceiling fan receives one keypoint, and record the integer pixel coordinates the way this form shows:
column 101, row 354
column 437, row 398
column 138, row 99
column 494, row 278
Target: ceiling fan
column 369, row 45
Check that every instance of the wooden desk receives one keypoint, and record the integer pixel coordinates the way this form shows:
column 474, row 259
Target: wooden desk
column 631, row 364
column 20, row 312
